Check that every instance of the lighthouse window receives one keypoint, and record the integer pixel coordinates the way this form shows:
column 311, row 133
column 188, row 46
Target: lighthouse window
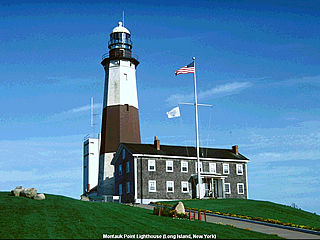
column 125, row 76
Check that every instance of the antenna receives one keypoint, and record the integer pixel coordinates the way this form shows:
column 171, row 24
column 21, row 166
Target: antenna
column 123, row 17
column 91, row 120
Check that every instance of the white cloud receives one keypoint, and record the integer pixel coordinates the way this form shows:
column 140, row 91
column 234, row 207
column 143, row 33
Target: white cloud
column 285, row 156
column 229, row 88
column 80, row 109
column 218, row 91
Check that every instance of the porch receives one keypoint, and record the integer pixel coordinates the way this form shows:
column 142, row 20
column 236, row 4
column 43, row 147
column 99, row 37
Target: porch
column 212, row 186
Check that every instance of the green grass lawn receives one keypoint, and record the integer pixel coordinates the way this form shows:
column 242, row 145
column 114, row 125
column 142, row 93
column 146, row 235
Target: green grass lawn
column 255, row 208
column 62, row 217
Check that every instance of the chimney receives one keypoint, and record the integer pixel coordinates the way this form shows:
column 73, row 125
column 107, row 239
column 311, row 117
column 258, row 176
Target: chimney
column 235, row 149
column 156, row 143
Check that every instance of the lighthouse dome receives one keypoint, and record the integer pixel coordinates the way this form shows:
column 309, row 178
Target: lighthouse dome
column 120, row 28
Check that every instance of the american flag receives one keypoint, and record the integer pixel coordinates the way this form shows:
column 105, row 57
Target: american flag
column 186, row 69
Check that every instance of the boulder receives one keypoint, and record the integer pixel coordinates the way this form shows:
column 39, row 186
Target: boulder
column 16, row 192
column 29, row 193
column 179, row 207
column 40, row 196
column 84, row 198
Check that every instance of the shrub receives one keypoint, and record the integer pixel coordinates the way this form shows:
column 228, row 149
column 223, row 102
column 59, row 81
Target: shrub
column 168, row 212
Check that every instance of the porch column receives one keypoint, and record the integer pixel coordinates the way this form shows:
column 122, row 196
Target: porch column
column 212, row 187
column 223, row 190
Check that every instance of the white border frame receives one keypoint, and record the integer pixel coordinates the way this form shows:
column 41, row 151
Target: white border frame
column 155, row 185
column 239, row 184
column 186, row 182
column 167, row 161
column 196, row 167
column 239, row 164
column 172, row 187
column 215, row 167
column 187, row 166
column 149, row 161
column 225, row 164
column 225, row 188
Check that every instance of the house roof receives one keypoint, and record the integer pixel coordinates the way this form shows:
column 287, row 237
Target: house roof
column 184, row 151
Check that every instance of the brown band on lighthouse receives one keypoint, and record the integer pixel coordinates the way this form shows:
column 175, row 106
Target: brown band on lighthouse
column 120, row 123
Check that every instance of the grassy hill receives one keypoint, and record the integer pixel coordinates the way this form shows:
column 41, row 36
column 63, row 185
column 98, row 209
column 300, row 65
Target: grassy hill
column 254, row 208
column 62, row 217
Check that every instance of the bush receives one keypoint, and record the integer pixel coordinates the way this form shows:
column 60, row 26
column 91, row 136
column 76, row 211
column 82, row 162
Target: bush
column 168, row 212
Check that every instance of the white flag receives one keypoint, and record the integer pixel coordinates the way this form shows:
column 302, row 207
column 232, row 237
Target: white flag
column 175, row 112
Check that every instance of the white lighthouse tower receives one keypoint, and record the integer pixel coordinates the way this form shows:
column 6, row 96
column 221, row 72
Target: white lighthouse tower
column 120, row 119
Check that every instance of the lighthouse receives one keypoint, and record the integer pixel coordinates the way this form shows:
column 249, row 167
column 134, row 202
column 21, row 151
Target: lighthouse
column 120, row 117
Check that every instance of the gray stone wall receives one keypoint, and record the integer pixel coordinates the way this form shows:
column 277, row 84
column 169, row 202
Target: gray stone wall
column 162, row 176
column 233, row 179
column 125, row 177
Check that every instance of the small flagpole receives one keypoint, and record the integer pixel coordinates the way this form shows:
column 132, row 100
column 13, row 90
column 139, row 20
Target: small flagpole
column 197, row 127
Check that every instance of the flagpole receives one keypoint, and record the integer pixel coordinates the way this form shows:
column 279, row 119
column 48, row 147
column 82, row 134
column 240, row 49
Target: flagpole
column 197, row 127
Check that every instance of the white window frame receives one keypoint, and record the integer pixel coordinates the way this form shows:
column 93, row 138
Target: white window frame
column 155, row 185
column 214, row 167
column 167, row 165
column 170, row 182
column 120, row 169
column 120, row 189
column 225, row 191
column 196, row 166
column 187, row 183
column 226, row 172
column 184, row 162
column 238, row 188
column 128, row 167
column 150, row 164
column 239, row 165
column 128, row 187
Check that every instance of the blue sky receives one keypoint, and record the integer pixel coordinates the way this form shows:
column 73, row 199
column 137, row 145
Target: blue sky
column 257, row 64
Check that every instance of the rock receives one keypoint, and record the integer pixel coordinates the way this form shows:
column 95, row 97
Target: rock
column 84, row 198
column 16, row 192
column 179, row 207
column 40, row 196
column 29, row 193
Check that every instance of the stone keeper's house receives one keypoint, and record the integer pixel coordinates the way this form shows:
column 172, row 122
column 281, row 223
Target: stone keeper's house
column 154, row 172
